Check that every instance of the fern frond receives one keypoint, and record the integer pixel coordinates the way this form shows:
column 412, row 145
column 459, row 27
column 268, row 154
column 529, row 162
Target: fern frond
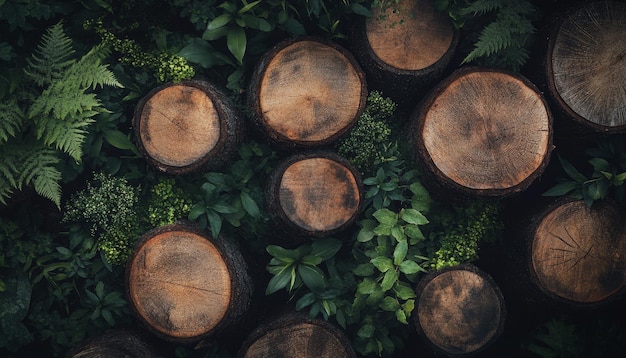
column 46, row 184
column 481, row 7
column 65, row 135
column 5, row 190
column 51, row 57
column 493, row 38
column 11, row 120
column 90, row 73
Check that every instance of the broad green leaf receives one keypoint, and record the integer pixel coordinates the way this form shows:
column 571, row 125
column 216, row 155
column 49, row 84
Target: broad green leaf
column 366, row 331
column 212, row 35
column 389, row 280
column 325, row 248
column 282, row 253
column 304, row 301
column 365, row 235
column 224, row 208
column 360, row 10
column 386, row 216
column 403, row 291
column 294, row 27
column 383, row 264
column 414, row 232
column 236, row 42
column 409, row 267
column 219, row 21
column 367, row 286
column 413, row 216
column 100, row 289
column 600, row 164
column 248, row 7
column 215, row 222
column 201, row 52
column 196, row 210
column 399, row 253
column 119, row 140
column 249, row 205
column 383, row 229
column 389, row 304
column 312, row 277
column 562, row 188
column 278, row 282
column 401, row 316
column 597, row 189
column 366, row 269
column 312, row 260
column 398, row 233
column 571, row 171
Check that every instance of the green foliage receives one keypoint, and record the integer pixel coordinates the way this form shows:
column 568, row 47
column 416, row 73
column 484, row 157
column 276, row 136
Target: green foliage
column 109, row 206
column 167, row 203
column 460, row 231
column 367, row 141
column 233, row 196
column 608, row 160
column 49, row 113
column 504, row 41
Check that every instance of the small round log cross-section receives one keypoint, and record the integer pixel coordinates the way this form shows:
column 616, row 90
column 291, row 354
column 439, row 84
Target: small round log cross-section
column 460, row 310
column 187, row 126
column 404, row 48
column 578, row 254
column 483, row 132
column 306, row 92
column 296, row 336
column 182, row 285
column 586, row 65
column 314, row 194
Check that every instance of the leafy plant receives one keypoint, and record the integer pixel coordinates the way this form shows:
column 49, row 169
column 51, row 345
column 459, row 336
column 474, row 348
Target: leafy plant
column 49, row 115
column 504, row 41
column 608, row 160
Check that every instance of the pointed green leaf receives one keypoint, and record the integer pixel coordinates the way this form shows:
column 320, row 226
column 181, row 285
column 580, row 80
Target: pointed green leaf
column 409, row 267
column 562, row 188
column 236, row 42
column 325, row 248
column 219, row 21
column 248, row 7
column 386, row 216
column 278, row 282
column 312, row 277
column 383, row 264
column 571, row 171
column 413, row 216
column 390, row 279
column 249, row 205
column 399, row 253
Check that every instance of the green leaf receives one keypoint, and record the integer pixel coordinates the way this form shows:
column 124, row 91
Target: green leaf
column 409, row 267
column 360, row 10
column 311, row 260
column 304, row 301
column 597, row 189
column 600, row 164
column 249, row 205
column 201, row 52
column 365, row 235
column 367, row 286
column 325, row 248
column 403, row 291
column 366, row 269
column 219, row 21
column 383, row 264
column 397, row 233
column 414, row 232
column 282, row 253
column 215, row 222
column 562, row 188
column 389, row 280
column 389, row 304
column 413, row 216
column 100, row 290
column 401, row 316
column 386, row 216
column 278, row 282
column 248, row 7
column 119, row 140
column 196, row 210
column 312, row 277
column 236, row 42
column 571, row 171
column 212, row 35
column 366, row 331
column 294, row 27
column 399, row 253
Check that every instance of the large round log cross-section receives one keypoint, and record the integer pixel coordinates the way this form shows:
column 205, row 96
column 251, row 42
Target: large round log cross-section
column 183, row 286
column 578, row 254
column 306, row 92
column 404, row 48
column 188, row 126
column 314, row 194
column 483, row 132
column 586, row 65
column 459, row 311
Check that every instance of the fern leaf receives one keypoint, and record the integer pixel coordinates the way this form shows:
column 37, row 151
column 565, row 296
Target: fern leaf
column 11, row 120
column 90, row 73
column 493, row 38
column 51, row 57
column 481, row 7
column 46, row 183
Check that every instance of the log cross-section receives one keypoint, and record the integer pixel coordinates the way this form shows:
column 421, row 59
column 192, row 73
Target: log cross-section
column 578, row 254
column 586, row 65
column 484, row 132
column 306, row 92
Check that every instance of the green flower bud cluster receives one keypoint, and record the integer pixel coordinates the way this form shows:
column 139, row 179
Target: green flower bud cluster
column 108, row 205
column 165, row 66
column 167, row 203
column 366, row 140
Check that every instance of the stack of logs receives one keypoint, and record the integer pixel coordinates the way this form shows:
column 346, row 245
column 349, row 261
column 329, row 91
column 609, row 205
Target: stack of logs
column 477, row 132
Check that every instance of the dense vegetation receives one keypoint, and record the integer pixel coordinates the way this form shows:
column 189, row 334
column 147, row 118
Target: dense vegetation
column 75, row 194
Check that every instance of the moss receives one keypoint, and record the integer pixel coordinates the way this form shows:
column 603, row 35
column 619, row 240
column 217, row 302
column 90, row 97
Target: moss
column 167, row 203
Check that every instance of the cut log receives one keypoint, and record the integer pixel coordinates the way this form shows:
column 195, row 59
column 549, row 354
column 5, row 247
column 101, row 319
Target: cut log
column 313, row 194
column 114, row 344
column 306, row 92
column 186, row 127
column 460, row 310
column 294, row 335
column 184, row 285
column 405, row 48
column 578, row 254
column 483, row 132
column 586, row 65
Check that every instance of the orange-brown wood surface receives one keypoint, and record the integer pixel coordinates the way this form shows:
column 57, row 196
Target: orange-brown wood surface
column 587, row 64
column 308, row 92
column 179, row 284
column 579, row 253
column 319, row 194
column 459, row 311
column 179, row 125
column 485, row 131
column 411, row 35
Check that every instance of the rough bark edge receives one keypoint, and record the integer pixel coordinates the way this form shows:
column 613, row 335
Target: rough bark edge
column 277, row 140
column 563, row 108
column 435, row 178
column 404, row 87
column 426, row 279
column 289, row 233
column 231, row 129
column 546, row 296
column 130, row 342
column 241, row 283
column 287, row 318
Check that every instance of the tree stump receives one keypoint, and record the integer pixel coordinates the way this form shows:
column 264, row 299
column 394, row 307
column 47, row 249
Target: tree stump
column 313, row 195
column 306, row 92
column 294, row 335
column 185, row 285
column 586, row 65
column 186, row 127
column 405, row 48
column 482, row 132
column 114, row 344
column 578, row 254
column 460, row 310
